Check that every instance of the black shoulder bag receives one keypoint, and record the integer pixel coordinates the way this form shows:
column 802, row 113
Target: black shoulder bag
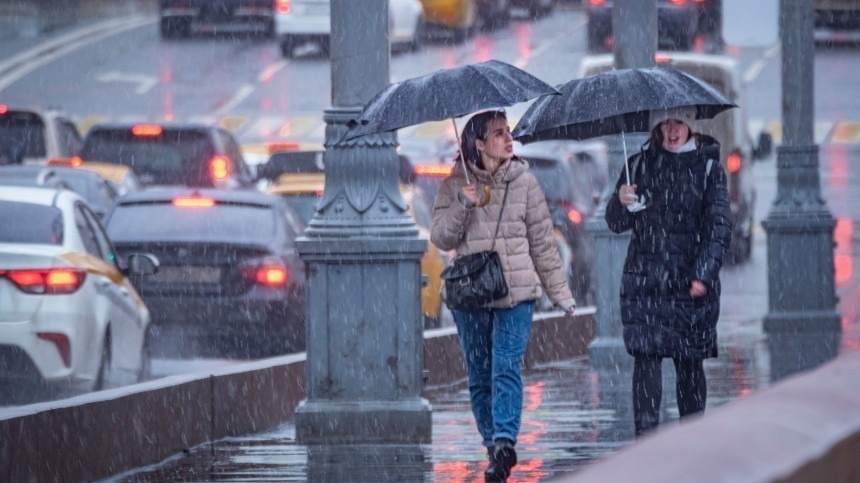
column 475, row 280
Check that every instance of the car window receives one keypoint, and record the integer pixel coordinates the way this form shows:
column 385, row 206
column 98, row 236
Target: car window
column 69, row 139
column 233, row 151
column 172, row 157
column 26, row 131
column 105, row 248
column 88, row 236
column 30, row 223
column 304, row 204
column 162, row 221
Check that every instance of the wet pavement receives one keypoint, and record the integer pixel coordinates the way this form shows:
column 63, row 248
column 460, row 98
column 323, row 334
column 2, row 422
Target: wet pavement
column 572, row 415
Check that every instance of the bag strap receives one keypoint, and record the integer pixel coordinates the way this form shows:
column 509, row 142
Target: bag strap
column 501, row 212
column 708, row 167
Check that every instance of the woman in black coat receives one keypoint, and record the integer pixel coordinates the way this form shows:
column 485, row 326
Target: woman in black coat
column 677, row 208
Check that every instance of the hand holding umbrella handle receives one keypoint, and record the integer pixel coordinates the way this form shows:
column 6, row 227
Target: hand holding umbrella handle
column 485, row 199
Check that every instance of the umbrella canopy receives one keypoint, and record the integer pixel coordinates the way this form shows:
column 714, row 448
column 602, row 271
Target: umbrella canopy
column 615, row 102
column 446, row 94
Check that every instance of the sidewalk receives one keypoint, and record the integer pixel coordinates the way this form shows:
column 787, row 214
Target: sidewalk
column 572, row 415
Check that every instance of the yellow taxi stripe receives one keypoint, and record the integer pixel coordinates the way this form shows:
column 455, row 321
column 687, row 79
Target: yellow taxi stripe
column 94, row 265
column 846, row 132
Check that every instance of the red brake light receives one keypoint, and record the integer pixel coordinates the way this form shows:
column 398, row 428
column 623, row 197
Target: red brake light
column 597, row 3
column 62, row 343
column 219, row 168
column 4, row 109
column 193, row 202
column 661, row 58
column 282, row 6
column 678, row 2
column 433, row 170
column 733, row 163
column 270, row 272
column 574, row 216
column 146, row 130
column 54, row 281
column 272, row 275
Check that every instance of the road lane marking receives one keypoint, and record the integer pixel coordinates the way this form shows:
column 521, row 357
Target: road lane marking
column 756, row 67
column 269, row 72
column 144, row 82
column 243, row 92
column 28, row 61
column 846, row 132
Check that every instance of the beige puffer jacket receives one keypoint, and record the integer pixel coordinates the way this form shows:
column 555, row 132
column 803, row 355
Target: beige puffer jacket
column 525, row 243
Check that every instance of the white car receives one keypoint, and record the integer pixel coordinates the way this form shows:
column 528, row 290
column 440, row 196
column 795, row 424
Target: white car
column 301, row 21
column 68, row 315
column 36, row 136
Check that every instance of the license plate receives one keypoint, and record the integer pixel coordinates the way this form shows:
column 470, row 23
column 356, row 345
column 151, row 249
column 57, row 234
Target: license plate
column 186, row 274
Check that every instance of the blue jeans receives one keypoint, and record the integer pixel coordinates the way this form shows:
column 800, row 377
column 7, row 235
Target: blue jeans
column 494, row 344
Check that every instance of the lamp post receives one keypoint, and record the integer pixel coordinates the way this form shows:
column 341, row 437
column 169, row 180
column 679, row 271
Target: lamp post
column 802, row 324
column 362, row 251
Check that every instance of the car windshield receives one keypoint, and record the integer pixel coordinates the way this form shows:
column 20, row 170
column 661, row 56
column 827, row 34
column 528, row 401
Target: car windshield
column 303, row 204
column 172, row 157
column 25, row 131
column 223, row 223
column 30, row 223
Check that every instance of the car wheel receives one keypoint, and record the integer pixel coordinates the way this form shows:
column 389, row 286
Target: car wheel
column 418, row 36
column 174, row 28
column 287, row 46
column 104, row 365
column 145, row 371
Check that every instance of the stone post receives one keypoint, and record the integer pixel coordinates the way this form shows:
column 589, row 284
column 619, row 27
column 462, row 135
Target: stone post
column 364, row 329
column 802, row 324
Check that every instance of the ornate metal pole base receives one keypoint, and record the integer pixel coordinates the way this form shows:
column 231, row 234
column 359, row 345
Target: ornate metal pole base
column 802, row 325
column 364, row 328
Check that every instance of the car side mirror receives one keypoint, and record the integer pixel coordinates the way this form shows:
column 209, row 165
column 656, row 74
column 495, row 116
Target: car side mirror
column 765, row 146
column 141, row 264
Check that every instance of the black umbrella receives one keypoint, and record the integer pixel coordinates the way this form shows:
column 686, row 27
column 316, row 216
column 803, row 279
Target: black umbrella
column 615, row 102
column 445, row 94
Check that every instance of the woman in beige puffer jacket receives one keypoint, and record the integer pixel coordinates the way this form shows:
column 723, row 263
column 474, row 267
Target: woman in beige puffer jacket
column 494, row 338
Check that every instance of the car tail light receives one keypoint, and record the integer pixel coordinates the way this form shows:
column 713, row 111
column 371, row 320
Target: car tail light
column 219, row 168
column 597, row 3
column 269, row 272
column 678, row 2
column 572, row 213
column 193, row 202
column 283, row 6
column 734, row 163
column 433, row 170
column 146, row 130
column 662, row 58
column 54, row 281
column 4, row 109
column 62, row 343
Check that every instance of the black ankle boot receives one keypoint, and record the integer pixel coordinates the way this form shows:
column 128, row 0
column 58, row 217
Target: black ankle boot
column 503, row 457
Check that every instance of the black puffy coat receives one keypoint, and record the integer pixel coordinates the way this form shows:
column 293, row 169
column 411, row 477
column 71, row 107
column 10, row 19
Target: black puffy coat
column 681, row 236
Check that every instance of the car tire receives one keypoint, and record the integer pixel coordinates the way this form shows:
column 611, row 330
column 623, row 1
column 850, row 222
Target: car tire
column 175, row 28
column 104, row 365
column 287, row 45
column 145, row 372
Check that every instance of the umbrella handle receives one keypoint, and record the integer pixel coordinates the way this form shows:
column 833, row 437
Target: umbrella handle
column 486, row 198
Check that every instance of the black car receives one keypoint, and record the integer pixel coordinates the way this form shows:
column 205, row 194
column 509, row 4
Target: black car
column 98, row 192
column 196, row 155
column 677, row 24
column 181, row 18
column 230, row 281
column 570, row 203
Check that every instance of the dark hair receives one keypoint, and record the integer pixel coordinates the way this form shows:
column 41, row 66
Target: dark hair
column 476, row 129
